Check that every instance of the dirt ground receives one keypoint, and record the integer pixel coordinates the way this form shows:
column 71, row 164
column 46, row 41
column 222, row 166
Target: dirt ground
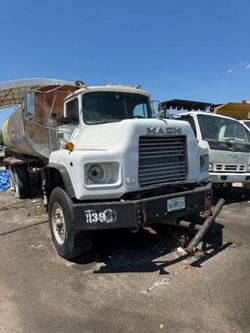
column 130, row 282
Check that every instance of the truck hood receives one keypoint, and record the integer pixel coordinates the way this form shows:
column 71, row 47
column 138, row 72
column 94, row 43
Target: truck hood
column 112, row 135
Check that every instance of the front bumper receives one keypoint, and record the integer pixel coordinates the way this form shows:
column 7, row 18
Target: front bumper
column 136, row 213
column 217, row 177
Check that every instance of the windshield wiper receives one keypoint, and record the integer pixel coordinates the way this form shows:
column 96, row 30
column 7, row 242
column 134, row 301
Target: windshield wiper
column 233, row 146
column 219, row 144
column 228, row 143
column 244, row 146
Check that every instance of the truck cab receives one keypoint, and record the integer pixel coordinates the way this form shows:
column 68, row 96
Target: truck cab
column 229, row 143
column 92, row 106
column 117, row 144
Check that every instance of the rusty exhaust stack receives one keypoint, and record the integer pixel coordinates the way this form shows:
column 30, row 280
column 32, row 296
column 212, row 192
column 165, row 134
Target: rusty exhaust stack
column 200, row 234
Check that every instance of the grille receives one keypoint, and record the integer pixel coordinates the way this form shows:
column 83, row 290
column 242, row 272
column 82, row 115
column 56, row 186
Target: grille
column 162, row 159
column 219, row 167
column 230, row 167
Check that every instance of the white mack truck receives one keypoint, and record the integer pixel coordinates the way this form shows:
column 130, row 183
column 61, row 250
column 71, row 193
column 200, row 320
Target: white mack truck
column 104, row 161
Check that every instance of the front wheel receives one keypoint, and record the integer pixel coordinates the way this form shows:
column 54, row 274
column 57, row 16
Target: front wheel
column 66, row 241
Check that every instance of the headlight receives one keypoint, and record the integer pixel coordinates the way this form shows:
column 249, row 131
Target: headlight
column 210, row 166
column 101, row 173
column 248, row 167
column 204, row 160
column 96, row 174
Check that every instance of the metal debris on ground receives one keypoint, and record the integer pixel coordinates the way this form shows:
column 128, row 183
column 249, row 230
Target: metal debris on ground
column 180, row 251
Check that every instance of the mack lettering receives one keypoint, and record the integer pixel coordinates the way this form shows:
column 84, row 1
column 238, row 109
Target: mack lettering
column 163, row 131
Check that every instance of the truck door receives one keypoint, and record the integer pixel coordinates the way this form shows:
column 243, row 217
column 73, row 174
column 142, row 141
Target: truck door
column 71, row 116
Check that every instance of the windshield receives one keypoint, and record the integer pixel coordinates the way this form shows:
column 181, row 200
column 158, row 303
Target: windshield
column 223, row 130
column 106, row 107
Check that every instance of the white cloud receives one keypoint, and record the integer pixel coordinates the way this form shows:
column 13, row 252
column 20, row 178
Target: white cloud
column 229, row 70
column 248, row 66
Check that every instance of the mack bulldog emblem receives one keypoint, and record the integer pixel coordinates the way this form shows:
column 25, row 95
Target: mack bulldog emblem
column 105, row 216
column 163, row 131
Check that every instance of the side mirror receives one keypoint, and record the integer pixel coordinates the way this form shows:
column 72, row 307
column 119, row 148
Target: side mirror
column 156, row 114
column 162, row 114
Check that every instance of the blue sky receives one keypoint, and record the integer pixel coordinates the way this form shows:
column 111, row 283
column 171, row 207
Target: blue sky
column 175, row 49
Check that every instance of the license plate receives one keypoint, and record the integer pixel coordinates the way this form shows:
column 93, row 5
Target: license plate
column 176, row 204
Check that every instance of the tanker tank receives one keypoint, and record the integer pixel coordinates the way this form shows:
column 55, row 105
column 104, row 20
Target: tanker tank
column 31, row 130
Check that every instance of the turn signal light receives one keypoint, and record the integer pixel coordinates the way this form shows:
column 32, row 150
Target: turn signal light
column 69, row 146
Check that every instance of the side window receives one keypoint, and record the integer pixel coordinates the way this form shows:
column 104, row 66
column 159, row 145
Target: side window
column 140, row 111
column 72, row 111
column 234, row 132
column 29, row 102
column 190, row 120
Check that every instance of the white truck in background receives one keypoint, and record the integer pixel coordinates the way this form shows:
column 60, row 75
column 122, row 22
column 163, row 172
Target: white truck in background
column 239, row 111
column 104, row 162
column 228, row 139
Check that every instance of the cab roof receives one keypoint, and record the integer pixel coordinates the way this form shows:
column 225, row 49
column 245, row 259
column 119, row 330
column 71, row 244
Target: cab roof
column 115, row 88
column 211, row 114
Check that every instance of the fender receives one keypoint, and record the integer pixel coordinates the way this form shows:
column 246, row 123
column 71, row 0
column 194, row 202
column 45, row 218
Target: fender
column 65, row 177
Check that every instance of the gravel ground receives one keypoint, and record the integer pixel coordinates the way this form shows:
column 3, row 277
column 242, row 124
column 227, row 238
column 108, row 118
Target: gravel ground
column 130, row 283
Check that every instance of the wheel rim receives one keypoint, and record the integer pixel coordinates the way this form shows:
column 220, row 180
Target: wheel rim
column 58, row 223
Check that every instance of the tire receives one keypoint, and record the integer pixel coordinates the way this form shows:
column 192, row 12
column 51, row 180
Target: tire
column 35, row 184
column 67, row 242
column 21, row 182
